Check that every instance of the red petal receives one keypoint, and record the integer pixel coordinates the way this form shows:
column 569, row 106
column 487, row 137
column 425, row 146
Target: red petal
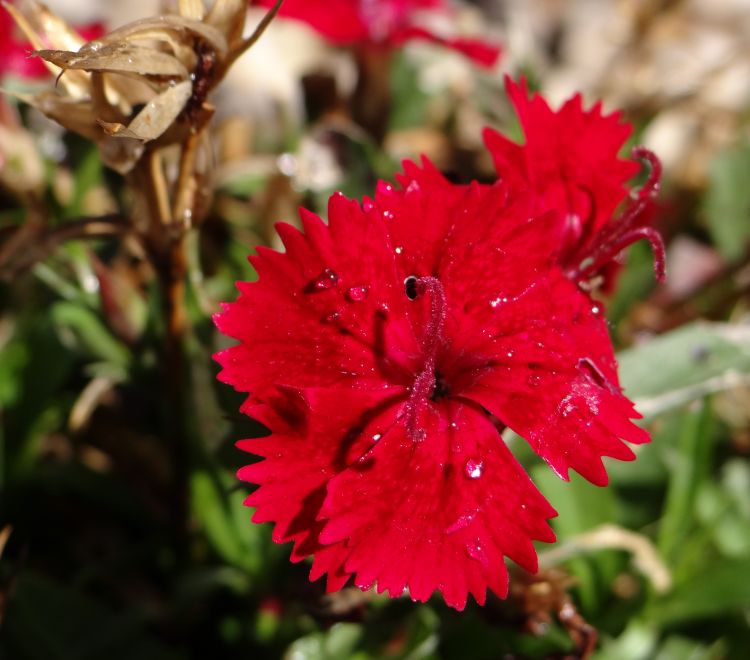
column 316, row 435
column 439, row 514
column 570, row 159
column 339, row 21
column 555, row 383
column 320, row 315
column 481, row 52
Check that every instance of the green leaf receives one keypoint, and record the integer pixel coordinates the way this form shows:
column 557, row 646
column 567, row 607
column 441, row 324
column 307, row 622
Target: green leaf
column 685, row 365
column 727, row 205
column 637, row 642
column 338, row 643
column 226, row 521
column 81, row 329
column 581, row 506
column 689, row 468
column 721, row 588
column 410, row 101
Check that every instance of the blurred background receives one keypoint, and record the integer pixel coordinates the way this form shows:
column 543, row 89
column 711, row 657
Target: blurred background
column 122, row 531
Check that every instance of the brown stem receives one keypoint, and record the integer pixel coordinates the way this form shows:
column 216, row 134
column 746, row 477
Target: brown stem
column 164, row 237
column 184, row 197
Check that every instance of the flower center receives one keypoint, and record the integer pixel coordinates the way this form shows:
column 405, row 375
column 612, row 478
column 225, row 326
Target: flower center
column 429, row 383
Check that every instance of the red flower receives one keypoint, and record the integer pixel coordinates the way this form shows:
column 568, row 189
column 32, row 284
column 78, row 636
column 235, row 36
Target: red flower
column 386, row 351
column 570, row 160
column 380, row 22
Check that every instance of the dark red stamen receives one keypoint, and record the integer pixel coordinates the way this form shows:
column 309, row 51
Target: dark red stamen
column 651, row 188
column 425, row 382
column 632, row 226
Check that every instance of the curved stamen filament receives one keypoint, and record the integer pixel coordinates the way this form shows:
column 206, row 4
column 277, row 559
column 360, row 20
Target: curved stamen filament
column 653, row 182
column 424, row 384
column 630, row 227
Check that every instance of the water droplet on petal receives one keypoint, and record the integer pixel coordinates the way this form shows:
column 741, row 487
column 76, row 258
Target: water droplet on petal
column 534, row 380
column 357, row 293
column 388, row 215
column 510, row 354
column 496, row 302
column 473, row 468
column 326, row 280
column 475, row 550
column 596, row 310
column 367, row 204
column 398, row 249
column 331, row 318
column 376, row 436
column 461, row 523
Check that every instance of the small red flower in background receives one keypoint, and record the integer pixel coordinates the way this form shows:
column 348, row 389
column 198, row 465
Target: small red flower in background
column 16, row 53
column 386, row 351
column 388, row 23
column 570, row 160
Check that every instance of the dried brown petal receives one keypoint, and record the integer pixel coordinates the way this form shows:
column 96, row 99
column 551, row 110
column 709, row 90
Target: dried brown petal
column 156, row 117
column 192, row 9
column 229, row 18
column 119, row 58
column 158, row 27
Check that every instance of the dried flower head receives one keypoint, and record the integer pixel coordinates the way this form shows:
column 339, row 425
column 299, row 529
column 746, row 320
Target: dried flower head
column 145, row 82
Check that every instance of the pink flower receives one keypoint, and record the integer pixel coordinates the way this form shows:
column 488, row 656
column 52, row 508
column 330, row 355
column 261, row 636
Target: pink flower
column 381, row 22
column 386, row 352
column 570, row 160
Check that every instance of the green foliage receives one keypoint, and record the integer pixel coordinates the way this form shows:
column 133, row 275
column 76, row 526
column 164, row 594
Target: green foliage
column 727, row 203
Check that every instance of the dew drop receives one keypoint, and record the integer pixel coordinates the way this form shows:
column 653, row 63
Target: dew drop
column 367, row 204
column 357, row 293
column 473, row 468
column 332, row 317
column 596, row 310
column 496, row 302
column 461, row 523
column 388, row 215
column 534, row 380
column 510, row 354
column 475, row 550
column 326, row 280
column 398, row 249
column 376, row 436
